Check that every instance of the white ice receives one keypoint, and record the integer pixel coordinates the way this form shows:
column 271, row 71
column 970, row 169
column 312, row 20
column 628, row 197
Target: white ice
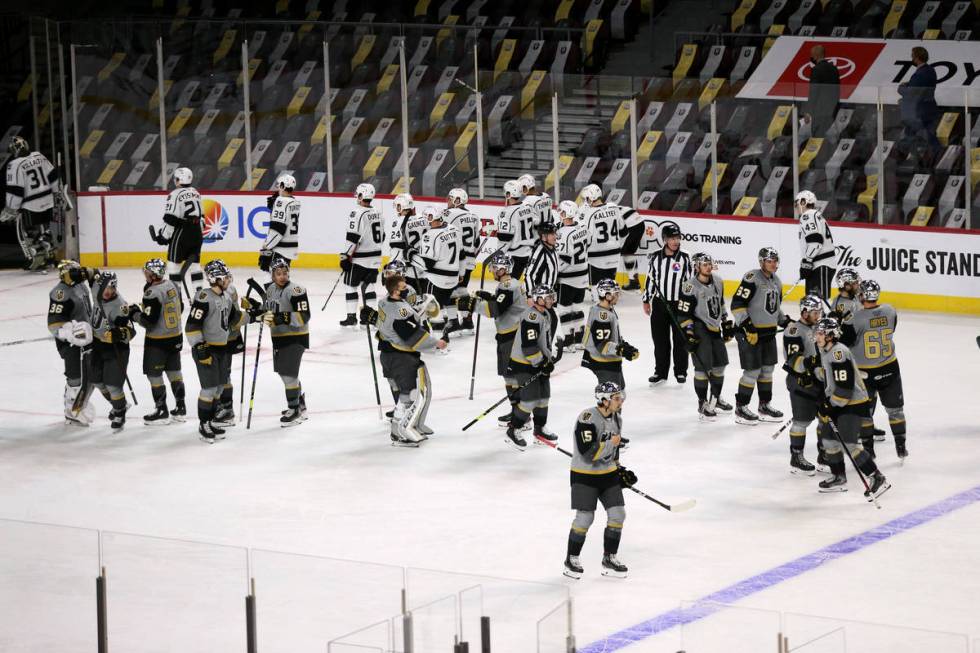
column 334, row 487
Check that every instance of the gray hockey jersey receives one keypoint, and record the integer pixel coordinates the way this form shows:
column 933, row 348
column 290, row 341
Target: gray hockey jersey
column 601, row 339
column 702, row 302
column 535, row 337
column 162, row 307
column 69, row 304
column 874, row 331
column 291, row 313
column 594, row 452
column 399, row 328
column 209, row 318
column 758, row 298
column 507, row 308
column 112, row 314
column 841, row 377
column 798, row 345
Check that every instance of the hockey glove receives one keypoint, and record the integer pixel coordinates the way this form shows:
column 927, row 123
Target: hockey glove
column 245, row 304
column 269, row 318
column 134, row 311
column 236, row 346
column 485, row 295
column 465, row 304
column 255, row 313
column 368, row 315
column 547, row 368
column 806, row 266
column 692, row 340
column 842, row 313
column 728, row 330
column 280, row 318
column 345, row 262
column 627, row 478
column 751, row 335
column 265, row 260
column 76, row 333
column 270, row 202
column 784, row 321
column 557, row 353
column 811, row 363
column 828, row 409
column 115, row 334
column 9, row 215
column 202, row 353
column 628, row 351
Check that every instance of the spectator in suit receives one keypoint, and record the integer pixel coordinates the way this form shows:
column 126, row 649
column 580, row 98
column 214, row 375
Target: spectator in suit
column 821, row 105
column 918, row 101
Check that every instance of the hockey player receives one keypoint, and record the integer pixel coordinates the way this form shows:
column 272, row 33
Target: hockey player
column 845, row 403
column 532, row 360
column 540, row 203
column 207, row 334
column 282, row 240
column 573, row 274
column 606, row 230
column 365, row 235
column 506, row 305
column 596, row 476
column 603, row 345
column 757, row 311
column 636, row 243
column 804, row 391
column 181, row 231
column 816, row 246
column 542, row 267
column 112, row 332
column 467, row 224
column 440, row 255
column 159, row 313
column 702, row 315
column 406, row 238
column 846, row 303
column 515, row 228
column 873, row 348
column 70, row 322
column 224, row 404
column 286, row 311
column 33, row 189
column 401, row 339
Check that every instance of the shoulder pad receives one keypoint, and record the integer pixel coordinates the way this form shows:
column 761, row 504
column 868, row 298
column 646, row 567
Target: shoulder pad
column 532, row 315
column 202, row 296
column 298, row 290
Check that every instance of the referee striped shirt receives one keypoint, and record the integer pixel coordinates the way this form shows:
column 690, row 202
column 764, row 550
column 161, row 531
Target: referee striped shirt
column 542, row 269
column 668, row 272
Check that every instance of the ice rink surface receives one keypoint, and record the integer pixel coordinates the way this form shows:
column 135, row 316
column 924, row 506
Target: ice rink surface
column 467, row 502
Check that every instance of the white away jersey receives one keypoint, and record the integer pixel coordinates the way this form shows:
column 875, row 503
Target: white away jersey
column 468, row 226
column 283, row 236
column 541, row 205
column 183, row 209
column 607, row 230
column 440, row 251
column 31, row 183
column 573, row 256
column 365, row 236
column 816, row 242
column 515, row 229
column 404, row 238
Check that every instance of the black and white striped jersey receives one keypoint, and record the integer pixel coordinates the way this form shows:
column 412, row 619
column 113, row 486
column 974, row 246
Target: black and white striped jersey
column 668, row 272
column 542, row 269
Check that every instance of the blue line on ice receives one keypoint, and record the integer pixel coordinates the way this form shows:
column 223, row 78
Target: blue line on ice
column 708, row 605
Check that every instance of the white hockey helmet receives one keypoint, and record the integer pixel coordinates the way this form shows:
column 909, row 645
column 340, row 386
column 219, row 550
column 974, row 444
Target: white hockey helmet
column 512, row 189
column 526, row 181
column 404, row 202
column 568, row 210
column 286, row 182
column 364, row 192
column 183, row 176
column 591, row 193
column 431, row 214
column 458, row 197
column 807, row 198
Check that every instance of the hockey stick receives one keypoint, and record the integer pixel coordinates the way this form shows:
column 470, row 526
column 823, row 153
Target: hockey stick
column 332, row 290
column 241, row 401
column 476, row 335
column 122, row 370
column 25, row 341
column 871, row 497
column 255, row 374
column 506, row 398
column 782, row 428
column 683, row 506
column 374, row 370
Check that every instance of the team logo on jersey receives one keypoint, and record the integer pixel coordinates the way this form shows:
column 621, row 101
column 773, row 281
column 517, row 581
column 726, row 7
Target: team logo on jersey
column 838, row 355
column 59, row 295
column 215, row 225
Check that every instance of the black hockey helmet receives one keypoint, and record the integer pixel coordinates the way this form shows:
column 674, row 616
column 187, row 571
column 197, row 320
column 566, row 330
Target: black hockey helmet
column 670, row 230
column 548, row 227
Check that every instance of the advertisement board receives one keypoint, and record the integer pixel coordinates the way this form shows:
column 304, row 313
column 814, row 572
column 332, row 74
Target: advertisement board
column 918, row 268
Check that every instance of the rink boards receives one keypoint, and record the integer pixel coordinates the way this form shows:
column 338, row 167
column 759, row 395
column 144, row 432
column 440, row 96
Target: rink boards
column 918, row 268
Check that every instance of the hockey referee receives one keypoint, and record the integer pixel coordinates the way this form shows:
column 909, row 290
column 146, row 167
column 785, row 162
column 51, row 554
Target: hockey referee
column 669, row 269
column 542, row 268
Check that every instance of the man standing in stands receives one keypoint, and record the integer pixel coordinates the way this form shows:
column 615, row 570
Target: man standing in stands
column 918, row 101
column 821, row 105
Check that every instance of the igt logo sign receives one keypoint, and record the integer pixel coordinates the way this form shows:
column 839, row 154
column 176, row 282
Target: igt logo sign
column 853, row 61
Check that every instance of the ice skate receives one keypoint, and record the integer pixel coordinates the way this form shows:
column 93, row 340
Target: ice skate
column 179, row 413
column 545, row 436
column 769, row 414
column 743, row 415
column 798, row 465
column 836, row 483
column 224, row 418
column 117, row 419
column 612, row 567
column 573, row 568
column 656, row 380
column 159, row 417
column 721, row 404
column 900, row 450
column 879, row 485
column 350, row 322
column 706, row 412
column 515, row 440
column 293, row 417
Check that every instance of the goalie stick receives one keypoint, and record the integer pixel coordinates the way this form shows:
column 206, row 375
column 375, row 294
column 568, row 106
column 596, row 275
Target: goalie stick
column 683, row 506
